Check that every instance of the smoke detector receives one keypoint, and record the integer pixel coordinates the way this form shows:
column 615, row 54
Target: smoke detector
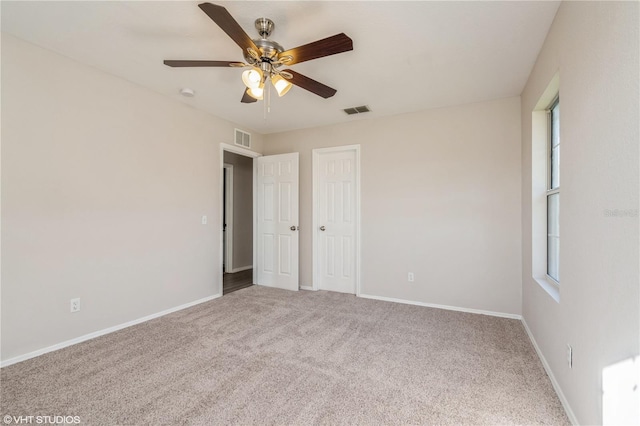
column 187, row 93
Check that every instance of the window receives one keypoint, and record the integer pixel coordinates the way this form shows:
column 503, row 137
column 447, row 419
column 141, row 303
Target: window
column 553, row 192
column 545, row 190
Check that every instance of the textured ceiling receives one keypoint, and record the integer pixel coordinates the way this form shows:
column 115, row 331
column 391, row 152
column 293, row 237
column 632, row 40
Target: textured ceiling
column 408, row 56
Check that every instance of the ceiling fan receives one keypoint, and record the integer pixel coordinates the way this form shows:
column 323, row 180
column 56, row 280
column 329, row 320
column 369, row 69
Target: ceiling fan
column 265, row 57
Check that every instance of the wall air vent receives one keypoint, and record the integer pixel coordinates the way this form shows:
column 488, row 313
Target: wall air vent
column 243, row 139
column 357, row 110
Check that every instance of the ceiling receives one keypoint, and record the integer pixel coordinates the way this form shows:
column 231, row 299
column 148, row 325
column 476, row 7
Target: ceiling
column 408, row 56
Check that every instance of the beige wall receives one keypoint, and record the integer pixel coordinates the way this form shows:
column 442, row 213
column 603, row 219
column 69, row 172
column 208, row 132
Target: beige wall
column 103, row 188
column 242, row 209
column 594, row 46
column 440, row 198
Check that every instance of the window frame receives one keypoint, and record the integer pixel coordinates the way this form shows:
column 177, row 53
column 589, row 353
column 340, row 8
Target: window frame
column 551, row 190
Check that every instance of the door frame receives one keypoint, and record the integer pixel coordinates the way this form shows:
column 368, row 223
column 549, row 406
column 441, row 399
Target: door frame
column 247, row 153
column 315, row 241
column 228, row 213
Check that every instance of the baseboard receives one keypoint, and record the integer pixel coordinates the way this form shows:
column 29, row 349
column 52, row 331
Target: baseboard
column 554, row 382
column 449, row 308
column 240, row 269
column 99, row 333
column 306, row 287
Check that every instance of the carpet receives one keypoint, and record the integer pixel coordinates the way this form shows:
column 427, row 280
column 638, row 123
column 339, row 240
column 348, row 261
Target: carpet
column 267, row 356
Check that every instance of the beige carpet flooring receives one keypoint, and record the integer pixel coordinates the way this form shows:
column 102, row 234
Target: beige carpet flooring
column 266, row 356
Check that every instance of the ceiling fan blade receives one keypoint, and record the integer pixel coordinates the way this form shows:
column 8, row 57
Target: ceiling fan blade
column 328, row 46
column 311, row 85
column 246, row 99
column 225, row 21
column 180, row 63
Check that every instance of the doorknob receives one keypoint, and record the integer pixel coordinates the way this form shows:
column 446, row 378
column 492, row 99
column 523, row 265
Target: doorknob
column 294, row 228
column 322, row 228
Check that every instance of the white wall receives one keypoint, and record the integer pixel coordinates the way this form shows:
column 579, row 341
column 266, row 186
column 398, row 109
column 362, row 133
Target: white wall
column 103, row 187
column 440, row 198
column 594, row 46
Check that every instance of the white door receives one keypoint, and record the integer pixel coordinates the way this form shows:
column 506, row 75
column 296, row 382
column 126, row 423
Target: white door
column 336, row 217
column 277, row 221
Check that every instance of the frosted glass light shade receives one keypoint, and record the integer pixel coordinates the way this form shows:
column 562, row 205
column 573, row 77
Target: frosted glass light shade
column 256, row 92
column 252, row 78
column 282, row 85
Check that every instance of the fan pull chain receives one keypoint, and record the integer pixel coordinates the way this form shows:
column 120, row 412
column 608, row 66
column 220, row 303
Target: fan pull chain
column 267, row 98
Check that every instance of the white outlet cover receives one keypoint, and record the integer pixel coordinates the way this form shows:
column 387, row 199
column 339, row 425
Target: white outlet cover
column 75, row 305
column 204, row 220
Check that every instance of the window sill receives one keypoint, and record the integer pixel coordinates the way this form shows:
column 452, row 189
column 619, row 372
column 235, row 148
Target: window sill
column 550, row 287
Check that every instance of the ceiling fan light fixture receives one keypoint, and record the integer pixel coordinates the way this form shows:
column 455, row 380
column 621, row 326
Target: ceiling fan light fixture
column 282, row 86
column 252, row 78
column 256, row 92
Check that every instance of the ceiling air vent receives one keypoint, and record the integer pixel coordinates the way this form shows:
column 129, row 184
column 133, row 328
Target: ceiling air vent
column 243, row 139
column 357, row 110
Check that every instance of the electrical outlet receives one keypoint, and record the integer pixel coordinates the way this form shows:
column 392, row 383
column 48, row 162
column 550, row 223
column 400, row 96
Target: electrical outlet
column 204, row 220
column 75, row 305
column 410, row 277
column 570, row 356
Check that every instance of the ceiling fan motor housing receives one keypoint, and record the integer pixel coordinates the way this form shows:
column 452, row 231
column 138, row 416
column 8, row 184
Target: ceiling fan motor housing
column 269, row 50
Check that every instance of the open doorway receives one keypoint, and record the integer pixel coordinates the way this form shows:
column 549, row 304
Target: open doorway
column 274, row 226
column 237, row 221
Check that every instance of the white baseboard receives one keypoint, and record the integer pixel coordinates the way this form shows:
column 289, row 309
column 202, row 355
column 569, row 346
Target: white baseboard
column 306, row 287
column 99, row 333
column 554, row 382
column 449, row 308
column 240, row 269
